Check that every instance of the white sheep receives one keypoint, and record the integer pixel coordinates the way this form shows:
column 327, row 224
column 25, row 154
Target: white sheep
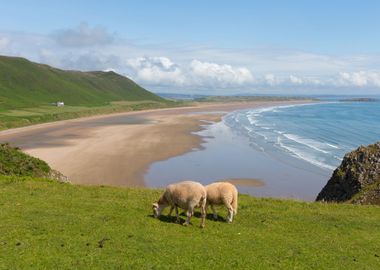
column 186, row 195
column 222, row 193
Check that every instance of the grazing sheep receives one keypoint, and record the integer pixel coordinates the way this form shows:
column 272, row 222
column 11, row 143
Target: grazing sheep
column 186, row 195
column 222, row 193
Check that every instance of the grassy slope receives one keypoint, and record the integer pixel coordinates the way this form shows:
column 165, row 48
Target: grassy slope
column 27, row 84
column 47, row 225
column 27, row 90
column 15, row 162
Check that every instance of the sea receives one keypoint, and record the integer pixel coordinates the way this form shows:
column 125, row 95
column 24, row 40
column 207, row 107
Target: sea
column 292, row 149
column 318, row 133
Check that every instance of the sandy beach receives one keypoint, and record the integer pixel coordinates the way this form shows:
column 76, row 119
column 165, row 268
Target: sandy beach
column 118, row 149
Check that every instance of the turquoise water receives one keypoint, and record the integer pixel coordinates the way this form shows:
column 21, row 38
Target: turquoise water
column 319, row 134
column 292, row 149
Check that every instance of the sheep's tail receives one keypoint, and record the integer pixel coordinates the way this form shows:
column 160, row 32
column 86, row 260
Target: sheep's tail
column 235, row 201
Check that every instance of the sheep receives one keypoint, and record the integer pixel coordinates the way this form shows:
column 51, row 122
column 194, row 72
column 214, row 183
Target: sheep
column 222, row 193
column 186, row 195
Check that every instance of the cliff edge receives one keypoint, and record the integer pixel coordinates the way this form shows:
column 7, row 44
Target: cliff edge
column 357, row 179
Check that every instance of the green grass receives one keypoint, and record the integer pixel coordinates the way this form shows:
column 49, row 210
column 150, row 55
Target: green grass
column 26, row 84
column 50, row 225
column 14, row 162
column 42, row 114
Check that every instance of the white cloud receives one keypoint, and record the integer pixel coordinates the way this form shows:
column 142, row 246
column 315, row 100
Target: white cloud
column 271, row 80
column 360, row 79
column 4, row 42
column 202, row 75
column 90, row 61
column 219, row 75
column 295, row 80
column 83, row 35
column 156, row 70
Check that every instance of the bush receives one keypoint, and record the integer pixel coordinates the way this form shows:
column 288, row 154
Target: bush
column 14, row 162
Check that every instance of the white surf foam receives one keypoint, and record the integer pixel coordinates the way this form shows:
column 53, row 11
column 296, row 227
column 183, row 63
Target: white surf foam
column 305, row 156
column 332, row 146
column 253, row 125
column 308, row 142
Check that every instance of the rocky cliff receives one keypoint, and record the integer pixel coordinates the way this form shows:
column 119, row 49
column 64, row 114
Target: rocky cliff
column 357, row 179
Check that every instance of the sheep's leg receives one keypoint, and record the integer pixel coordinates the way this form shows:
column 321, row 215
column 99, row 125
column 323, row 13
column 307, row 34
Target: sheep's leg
column 170, row 211
column 203, row 214
column 230, row 213
column 214, row 212
column 188, row 214
column 177, row 215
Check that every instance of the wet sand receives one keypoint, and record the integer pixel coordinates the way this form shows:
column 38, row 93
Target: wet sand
column 118, row 149
column 245, row 182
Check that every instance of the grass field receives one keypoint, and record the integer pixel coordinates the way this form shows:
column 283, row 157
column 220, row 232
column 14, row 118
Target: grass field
column 47, row 113
column 50, row 225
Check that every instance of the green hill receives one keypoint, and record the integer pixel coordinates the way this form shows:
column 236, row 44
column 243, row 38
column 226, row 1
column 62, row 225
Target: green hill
column 28, row 92
column 27, row 84
column 51, row 225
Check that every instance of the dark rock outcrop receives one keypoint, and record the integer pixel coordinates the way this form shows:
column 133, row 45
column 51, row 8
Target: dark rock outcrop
column 357, row 179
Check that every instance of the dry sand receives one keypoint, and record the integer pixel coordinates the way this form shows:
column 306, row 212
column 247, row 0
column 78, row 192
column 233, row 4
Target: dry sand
column 109, row 150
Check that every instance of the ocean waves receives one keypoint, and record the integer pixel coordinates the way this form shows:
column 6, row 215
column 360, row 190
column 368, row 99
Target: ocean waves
column 318, row 133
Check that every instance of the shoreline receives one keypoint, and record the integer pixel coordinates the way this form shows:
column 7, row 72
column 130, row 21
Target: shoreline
column 230, row 106
column 109, row 150
column 227, row 155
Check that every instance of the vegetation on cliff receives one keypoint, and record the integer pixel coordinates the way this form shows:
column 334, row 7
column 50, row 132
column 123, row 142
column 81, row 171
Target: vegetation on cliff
column 15, row 162
column 357, row 179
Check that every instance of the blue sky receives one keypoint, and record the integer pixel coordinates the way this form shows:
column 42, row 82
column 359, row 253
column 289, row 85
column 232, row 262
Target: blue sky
column 205, row 46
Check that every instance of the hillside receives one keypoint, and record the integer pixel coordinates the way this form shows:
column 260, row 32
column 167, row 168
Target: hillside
column 27, row 84
column 51, row 225
column 29, row 90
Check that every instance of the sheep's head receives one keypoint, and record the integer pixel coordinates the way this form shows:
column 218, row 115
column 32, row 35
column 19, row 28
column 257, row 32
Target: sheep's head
column 156, row 210
column 159, row 206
